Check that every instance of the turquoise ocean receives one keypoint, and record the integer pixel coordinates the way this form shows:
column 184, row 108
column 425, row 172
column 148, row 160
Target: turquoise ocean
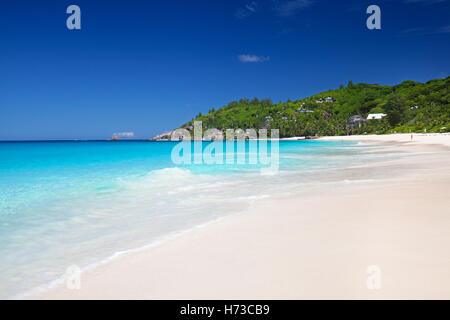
column 84, row 203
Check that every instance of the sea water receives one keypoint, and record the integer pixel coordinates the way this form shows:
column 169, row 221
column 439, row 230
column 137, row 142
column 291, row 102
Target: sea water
column 83, row 203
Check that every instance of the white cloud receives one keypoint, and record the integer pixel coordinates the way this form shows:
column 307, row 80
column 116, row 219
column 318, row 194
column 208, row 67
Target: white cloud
column 290, row 7
column 252, row 58
column 248, row 10
column 124, row 134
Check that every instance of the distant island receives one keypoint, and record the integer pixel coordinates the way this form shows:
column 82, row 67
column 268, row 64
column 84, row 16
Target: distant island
column 361, row 108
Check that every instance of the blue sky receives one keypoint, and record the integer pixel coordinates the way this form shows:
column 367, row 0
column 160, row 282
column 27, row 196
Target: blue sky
column 149, row 66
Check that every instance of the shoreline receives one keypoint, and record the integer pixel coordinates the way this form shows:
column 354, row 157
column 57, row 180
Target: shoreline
column 243, row 256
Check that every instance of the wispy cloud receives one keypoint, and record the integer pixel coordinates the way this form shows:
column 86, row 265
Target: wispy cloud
column 247, row 10
column 252, row 58
column 282, row 8
column 290, row 7
column 252, row 6
column 425, row 31
column 445, row 29
column 413, row 31
column 424, row 1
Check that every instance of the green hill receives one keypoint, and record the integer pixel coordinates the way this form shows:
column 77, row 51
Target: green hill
column 410, row 106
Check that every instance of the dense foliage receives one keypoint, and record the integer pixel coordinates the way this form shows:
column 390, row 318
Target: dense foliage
column 410, row 107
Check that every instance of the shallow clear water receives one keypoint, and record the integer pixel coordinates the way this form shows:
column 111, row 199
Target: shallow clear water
column 65, row 203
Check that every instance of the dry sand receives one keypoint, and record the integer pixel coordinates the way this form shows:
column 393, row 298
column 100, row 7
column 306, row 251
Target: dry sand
column 307, row 247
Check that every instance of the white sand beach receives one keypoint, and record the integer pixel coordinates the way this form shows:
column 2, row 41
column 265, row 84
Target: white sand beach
column 314, row 246
column 413, row 138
